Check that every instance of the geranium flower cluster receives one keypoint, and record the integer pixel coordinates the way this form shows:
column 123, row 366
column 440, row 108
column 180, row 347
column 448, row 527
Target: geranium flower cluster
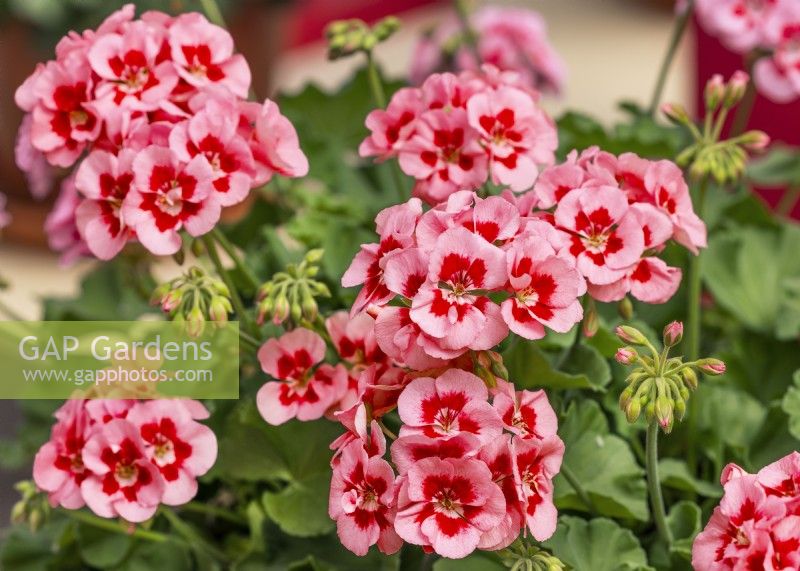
column 123, row 458
column 151, row 113
column 510, row 38
column 756, row 524
column 457, row 132
column 769, row 26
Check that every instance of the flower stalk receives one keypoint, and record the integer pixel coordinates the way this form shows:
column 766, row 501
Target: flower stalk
column 678, row 30
column 654, row 485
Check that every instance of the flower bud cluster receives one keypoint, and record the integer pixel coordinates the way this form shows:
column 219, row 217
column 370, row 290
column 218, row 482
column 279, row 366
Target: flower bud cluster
column 194, row 298
column 710, row 155
column 32, row 509
column 346, row 37
column 660, row 385
column 523, row 557
column 291, row 294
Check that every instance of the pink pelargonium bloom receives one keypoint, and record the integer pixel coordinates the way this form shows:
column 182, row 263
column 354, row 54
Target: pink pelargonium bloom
column 123, row 481
column 362, row 502
column 409, row 449
column 169, row 195
column 556, row 181
column 39, row 174
column 451, row 404
column 499, row 458
column 61, row 227
column 132, row 75
column 448, row 504
column 545, row 289
column 517, row 134
column 605, row 238
column 371, row 437
column 203, row 55
column 395, row 226
column 444, row 155
column 781, row 479
column 778, row 75
column 354, row 338
column 105, row 181
column 63, row 120
column 273, row 142
column 536, row 463
column 739, row 529
column 527, row 414
column 181, row 448
column 300, row 391
column 403, row 340
column 213, row 134
column 58, row 467
column 739, row 24
column 453, row 307
column 392, row 128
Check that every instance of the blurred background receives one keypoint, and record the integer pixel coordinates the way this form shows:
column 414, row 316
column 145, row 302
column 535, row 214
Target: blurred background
column 612, row 50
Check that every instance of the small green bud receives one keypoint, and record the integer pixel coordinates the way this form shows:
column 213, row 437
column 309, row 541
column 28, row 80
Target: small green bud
column 195, row 322
column 633, row 410
column 680, row 408
column 630, row 335
column 690, row 378
column 625, row 308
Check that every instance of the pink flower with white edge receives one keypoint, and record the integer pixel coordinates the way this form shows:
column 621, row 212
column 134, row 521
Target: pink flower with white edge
column 739, row 24
column 104, row 180
column 778, row 75
column 61, row 225
column 169, row 195
column 605, row 238
column 739, row 529
column 518, row 136
column 103, row 411
column 444, row 155
column 132, row 75
column 494, row 218
column 181, row 448
column 409, row 449
column 448, row 504
column 395, row 226
column 498, row 457
column 63, row 120
column 370, row 435
column 203, row 55
column 391, row 129
column 527, row 414
column 556, row 181
column 453, row 403
column 446, row 91
column 274, row 143
column 781, row 479
column 300, row 391
column 58, row 467
column 362, row 502
column 213, row 134
column 403, row 340
column 545, row 289
column 451, row 306
column 123, row 481
column 536, row 463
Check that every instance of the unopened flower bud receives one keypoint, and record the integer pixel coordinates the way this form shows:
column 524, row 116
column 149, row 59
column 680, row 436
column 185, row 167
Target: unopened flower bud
column 754, row 140
column 673, row 333
column 714, row 92
column 625, row 308
column 737, row 85
column 633, row 410
column 219, row 308
column 711, row 367
column 314, row 256
column 171, row 301
column 591, row 322
column 690, row 378
column 195, row 322
column 675, row 113
column 663, row 412
column 680, row 409
column 650, row 411
column 281, row 310
column 307, row 303
column 626, row 355
column 630, row 335
column 626, row 396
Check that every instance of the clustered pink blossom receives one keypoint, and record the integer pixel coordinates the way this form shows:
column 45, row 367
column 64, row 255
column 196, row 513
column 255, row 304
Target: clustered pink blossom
column 122, row 458
column 458, row 132
column 511, row 39
column 770, row 26
column 756, row 523
column 151, row 113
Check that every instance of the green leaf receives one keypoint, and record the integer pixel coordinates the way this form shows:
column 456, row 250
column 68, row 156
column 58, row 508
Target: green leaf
column 596, row 545
column 478, row 561
column 777, row 168
column 791, row 406
column 675, row 474
column 603, row 464
column 148, row 556
column 684, row 520
column 301, row 508
column 529, row 367
column 100, row 548
column 325, row 552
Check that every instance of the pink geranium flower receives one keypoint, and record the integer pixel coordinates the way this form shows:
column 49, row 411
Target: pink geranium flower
column 518, row 136
column 409, row 449
column 453, row 403
column 58, row 467
column 181, row 448
column 527, row 414
column 354, row 419
column 300, row 390
column 392, row 128
column 105, row 181
column 498, row 457
column 452, row 307
column 546, row 289
column 606, row 239
column 273, row 143
column 362, row 502
column 448, row 504
column 123, row 482
column 536, row 462
column 739, row 24
column 61, row 225
column 169, row 195
column 778, row 75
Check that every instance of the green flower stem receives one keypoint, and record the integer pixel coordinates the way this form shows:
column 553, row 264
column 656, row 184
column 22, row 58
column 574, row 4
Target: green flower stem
column 192, row 537
column 391, row 435
column 654, row 485
column 213, row 13
column 250, row 340
column 230, row 249
column 681, row 23
column 745, row 109
column 469, row 33
column 116, row 526
column 569, row 476
column 236, row 299
column 214, row 511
